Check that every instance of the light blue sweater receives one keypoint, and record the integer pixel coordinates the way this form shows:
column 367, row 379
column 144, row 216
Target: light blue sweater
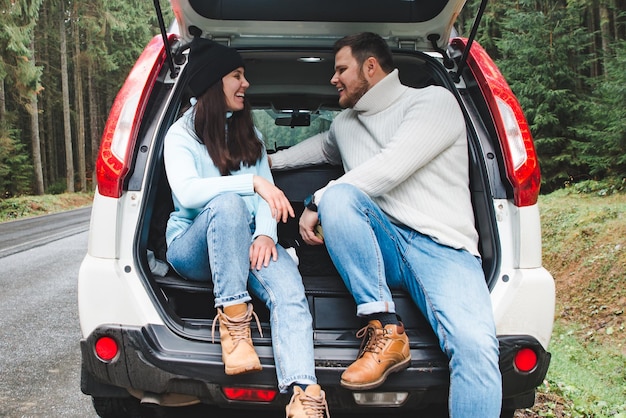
column 195, row 180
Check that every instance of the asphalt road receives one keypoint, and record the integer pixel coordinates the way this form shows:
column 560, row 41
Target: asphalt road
column 21, row 235
column 39, row 332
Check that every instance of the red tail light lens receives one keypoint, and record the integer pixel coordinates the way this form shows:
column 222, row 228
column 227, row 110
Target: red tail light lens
column 249, row 394
column 106, row 348
column 525, row 360
column 120, row 131
column 520, row 157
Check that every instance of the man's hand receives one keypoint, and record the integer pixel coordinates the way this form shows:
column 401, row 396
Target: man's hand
column 308, row 221
column 261, row 250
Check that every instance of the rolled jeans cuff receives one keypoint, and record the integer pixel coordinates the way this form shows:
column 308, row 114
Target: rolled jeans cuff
column 302, row 380
column 232, row 300
column 369, row 308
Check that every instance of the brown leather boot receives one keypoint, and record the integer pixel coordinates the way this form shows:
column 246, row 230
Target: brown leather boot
column 238, row 352
column 384, row 350
column 309, row 403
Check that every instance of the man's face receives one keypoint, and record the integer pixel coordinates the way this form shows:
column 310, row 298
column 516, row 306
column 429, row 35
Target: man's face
column 348, row 78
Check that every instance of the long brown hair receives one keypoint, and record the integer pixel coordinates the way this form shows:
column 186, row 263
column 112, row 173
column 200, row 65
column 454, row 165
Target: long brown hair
column 229, row 141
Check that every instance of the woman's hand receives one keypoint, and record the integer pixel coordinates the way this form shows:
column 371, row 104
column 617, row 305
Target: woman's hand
column 261, row 250
column 279, row 204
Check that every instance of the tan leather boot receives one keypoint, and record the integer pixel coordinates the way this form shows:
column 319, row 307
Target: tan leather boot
column 386, row 350
column 238, row 352
column 309, row 403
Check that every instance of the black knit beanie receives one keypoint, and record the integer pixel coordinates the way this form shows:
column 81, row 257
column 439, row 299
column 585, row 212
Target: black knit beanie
column 208, row 63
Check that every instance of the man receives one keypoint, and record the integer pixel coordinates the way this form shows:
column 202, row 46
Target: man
column 401, row 217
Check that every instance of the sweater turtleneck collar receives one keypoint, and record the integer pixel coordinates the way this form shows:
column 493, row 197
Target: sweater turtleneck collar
column 382, row 95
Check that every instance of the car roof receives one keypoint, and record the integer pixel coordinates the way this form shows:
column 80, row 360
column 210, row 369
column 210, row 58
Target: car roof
column 250, row 23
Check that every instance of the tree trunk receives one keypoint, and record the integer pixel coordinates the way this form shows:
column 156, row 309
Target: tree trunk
column 3, row 107
column 33, row 111
column 46, row 133
column 80, row 107
column 616, row 15
column 93, row 122
column 51, row 149
column 605, row 31
column 69, row 158
column 594, row 70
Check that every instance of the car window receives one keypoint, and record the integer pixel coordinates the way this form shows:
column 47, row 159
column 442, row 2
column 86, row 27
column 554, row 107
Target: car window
column 277, row 132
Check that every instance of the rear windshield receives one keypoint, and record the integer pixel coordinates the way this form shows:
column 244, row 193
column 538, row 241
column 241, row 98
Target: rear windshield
column 291, row 95
column 278, row 131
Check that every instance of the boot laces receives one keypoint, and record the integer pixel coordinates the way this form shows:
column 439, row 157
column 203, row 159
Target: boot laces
column 239, row 327
column 314, row 406
column 375, row 340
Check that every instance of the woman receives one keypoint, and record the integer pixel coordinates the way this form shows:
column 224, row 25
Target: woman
column 223, row 227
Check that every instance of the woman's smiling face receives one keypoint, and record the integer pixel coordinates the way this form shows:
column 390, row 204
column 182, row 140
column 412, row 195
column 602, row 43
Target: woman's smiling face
column 235, row 86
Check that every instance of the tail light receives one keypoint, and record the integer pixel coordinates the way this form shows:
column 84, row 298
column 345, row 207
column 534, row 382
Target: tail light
column 520, row 157
column 249, row 394
column 120, row 131
column 525, row 360
column 106, row 349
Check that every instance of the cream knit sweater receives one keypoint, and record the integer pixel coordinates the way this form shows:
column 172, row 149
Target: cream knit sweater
column 406, row 148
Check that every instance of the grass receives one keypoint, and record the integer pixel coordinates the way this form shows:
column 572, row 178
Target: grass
column 28, row 206
column 584, row 247
column 589, row 375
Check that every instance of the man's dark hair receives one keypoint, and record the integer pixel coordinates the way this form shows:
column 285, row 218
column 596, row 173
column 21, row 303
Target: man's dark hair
column 365, row 45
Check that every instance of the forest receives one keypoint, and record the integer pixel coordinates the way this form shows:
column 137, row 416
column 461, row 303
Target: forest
column 63, row 61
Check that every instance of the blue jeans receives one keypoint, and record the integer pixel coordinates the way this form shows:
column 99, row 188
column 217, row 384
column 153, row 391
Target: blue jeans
column 216, row 247
column 373, row 255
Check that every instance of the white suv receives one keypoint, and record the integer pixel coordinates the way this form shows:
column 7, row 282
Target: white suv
column 147, row 332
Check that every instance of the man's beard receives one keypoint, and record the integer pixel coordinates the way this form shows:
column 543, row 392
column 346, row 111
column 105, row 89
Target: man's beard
column 350, row 99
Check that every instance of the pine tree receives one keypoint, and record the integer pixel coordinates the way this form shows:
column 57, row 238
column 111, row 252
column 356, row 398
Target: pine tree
column 15, row 167
column 604, row 147
column 18, row 62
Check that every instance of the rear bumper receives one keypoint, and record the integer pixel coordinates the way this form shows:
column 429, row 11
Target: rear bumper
column 153, row 360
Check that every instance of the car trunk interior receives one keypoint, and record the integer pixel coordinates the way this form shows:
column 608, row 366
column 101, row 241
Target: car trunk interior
column 299, row 80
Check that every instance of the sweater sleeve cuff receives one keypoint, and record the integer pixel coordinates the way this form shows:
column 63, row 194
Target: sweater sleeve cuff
column 243, row 184
column 268, row 228
column 320, row 193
